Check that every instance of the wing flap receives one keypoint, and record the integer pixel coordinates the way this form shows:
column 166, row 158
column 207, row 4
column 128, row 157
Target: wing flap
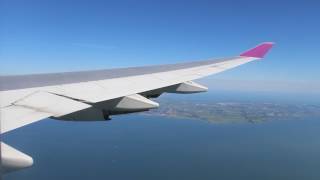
column 35, row 107
column 13, row 117
column 53, row 104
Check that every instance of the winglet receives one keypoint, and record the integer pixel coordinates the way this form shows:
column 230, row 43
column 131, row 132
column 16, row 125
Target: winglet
column 259, row 51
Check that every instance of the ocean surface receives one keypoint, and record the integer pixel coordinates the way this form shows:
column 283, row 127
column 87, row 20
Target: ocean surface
column 136, row 147
column 143, row 147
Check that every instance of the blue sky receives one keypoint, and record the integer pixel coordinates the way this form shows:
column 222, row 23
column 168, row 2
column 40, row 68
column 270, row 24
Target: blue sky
column 47, row 36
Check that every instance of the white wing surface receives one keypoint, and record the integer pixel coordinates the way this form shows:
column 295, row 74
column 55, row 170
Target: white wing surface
column 28, row 98
column 95, row 95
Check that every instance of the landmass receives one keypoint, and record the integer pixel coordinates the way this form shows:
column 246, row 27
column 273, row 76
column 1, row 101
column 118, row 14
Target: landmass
column 233, row 112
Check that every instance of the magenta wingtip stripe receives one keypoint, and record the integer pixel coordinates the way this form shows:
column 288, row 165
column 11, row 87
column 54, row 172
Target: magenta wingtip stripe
column 259, row 51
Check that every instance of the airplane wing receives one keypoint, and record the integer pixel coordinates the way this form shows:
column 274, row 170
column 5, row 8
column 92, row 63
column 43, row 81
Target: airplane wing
column 95, row 95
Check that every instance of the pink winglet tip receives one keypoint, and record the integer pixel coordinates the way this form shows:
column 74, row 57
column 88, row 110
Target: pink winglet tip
column 259, row 51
